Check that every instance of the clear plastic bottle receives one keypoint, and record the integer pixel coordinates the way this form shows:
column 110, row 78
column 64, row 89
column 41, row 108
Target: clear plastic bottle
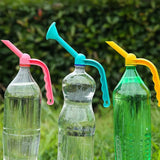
column 132, row 117
column 21, row 130
column 76, row 120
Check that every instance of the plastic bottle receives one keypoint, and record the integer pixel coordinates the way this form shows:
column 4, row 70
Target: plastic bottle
column 22, row 108
column 132, row 110
column 76, row 121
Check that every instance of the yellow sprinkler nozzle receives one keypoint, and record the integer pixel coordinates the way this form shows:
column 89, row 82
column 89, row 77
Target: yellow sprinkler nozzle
column 129, row 57
column 130, row 60
column 116, row 47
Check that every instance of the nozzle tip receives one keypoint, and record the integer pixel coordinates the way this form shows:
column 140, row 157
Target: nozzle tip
column 4, row 41
column 109, row 42
column 52, row 32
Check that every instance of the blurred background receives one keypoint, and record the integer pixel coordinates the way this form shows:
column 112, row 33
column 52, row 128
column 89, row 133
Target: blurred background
column 85, row 25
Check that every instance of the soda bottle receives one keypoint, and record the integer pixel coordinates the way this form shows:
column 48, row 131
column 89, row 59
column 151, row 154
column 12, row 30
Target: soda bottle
column 132, row 110
column 22, row 108
column 76, row 121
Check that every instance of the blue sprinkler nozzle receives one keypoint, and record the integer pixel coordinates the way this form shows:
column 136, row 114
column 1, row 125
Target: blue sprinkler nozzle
column 80, row 59
column 52, row 33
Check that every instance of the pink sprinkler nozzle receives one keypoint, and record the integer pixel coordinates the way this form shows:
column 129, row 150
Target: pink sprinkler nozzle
column 13, row 48
column 25, row 60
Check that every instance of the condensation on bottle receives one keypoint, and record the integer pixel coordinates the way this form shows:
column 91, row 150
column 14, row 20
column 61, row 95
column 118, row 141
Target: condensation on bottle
column 21, row 130
column 76, row 121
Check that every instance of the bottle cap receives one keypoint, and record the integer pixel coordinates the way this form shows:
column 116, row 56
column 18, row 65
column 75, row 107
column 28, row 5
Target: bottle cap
column 81, row 60
column 130, row 60
column 26, row 61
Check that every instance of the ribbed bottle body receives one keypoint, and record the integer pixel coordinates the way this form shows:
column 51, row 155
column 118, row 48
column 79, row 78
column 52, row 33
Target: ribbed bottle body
column 21, row 129
column 132, row 118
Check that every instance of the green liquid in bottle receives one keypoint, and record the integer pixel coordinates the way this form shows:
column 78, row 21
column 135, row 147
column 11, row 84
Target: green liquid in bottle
column 132, row 118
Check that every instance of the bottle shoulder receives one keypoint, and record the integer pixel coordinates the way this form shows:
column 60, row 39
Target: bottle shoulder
column 131, row 86
column 79, row 87
column 22, row 89
column 23, row 85
column 73, row 78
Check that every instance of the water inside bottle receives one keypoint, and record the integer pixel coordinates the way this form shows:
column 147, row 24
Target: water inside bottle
column 21, row 147
column 75, row 146
column 76, row 121
column 21, row 131
column 132, row 128
column 76, row 132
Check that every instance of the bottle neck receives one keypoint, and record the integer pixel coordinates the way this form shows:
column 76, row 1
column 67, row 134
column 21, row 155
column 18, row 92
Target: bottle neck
column 131, row 71
column 24, row 70
column 79, row 69
column 24, row 75
column 131, row 76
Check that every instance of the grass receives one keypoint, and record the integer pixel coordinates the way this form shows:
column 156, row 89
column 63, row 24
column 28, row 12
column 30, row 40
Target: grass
column 104, row 144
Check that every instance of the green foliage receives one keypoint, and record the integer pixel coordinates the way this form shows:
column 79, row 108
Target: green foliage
column 133, row 25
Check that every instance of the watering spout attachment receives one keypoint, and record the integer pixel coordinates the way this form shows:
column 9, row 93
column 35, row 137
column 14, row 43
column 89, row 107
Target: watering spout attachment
column 52, row 33
column 80, row 60
column 26, row 61
column 131, row 60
